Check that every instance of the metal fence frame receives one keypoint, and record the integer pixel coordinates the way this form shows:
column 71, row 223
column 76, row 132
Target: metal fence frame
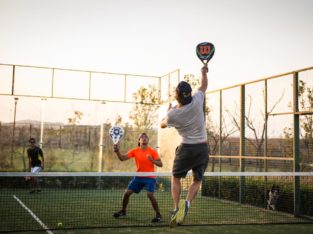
column 296, row 131
column 167, row 81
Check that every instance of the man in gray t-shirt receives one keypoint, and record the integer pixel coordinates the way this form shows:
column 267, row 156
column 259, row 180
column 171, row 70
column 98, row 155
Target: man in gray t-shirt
column 193, row 152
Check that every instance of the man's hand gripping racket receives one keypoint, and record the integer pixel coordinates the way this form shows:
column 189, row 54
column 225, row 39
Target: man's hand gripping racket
column 116, row 134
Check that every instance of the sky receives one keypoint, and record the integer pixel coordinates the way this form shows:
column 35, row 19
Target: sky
column 253, row 38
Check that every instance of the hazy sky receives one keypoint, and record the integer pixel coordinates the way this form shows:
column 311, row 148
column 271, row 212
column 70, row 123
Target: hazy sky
column 253, row 38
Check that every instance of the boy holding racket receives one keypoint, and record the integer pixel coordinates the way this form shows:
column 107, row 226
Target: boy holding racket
column 145, row 158
column 193, row 152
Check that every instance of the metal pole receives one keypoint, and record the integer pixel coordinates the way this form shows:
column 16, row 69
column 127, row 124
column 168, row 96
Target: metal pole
column 265, row 123
column 42, row 121
column 100, row 156
column 296, row 145
column 13, row 132
column 220, row 143
column 265, row 136
column 242, row 144
column 13, row 80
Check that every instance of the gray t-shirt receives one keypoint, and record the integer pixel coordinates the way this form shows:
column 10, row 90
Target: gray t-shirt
column 189, row 120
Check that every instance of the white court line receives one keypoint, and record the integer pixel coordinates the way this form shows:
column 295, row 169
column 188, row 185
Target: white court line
column 44, row 226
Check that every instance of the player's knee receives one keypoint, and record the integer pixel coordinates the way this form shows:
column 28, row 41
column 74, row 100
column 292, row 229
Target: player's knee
column 197, row 180
column 128, row 193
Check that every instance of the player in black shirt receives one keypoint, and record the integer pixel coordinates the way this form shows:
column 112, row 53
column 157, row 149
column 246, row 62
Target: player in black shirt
column 36, row 163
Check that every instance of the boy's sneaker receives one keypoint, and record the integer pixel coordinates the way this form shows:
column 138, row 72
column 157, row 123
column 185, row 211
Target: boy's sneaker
column 183, row 210
column 173, row 222
column 156, row 219
column 119, row 214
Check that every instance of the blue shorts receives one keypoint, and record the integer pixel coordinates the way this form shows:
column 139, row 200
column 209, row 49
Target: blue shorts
column 138, row 183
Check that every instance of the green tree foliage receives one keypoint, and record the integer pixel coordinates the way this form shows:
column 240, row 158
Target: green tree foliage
column 306, row 103
column 77, row 116
column 305, row 95
column 73, row 121
column 144, row 113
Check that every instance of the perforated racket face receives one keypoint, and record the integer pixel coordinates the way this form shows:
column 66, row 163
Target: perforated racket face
column 205, row 51
column 116, row 133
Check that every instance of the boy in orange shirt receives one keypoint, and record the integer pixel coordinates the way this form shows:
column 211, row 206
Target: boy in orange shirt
column 145, row 158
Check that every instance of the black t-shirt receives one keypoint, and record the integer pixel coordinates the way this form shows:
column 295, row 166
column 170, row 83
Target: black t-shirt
column 35, row 155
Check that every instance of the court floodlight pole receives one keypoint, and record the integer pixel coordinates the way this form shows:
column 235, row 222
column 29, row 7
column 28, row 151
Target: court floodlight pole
column 101, row 138
column 13, row 133
column 42, row 121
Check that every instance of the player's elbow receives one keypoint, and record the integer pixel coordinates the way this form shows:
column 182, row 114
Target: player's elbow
column 123, row 158
column 163, row 125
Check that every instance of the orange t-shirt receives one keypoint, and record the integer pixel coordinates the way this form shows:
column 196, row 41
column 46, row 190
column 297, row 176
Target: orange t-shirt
column 143, row 164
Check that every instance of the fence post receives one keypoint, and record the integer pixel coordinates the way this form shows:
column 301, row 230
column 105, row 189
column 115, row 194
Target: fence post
column 265, row 136
column 296, row 145
column 242, row 144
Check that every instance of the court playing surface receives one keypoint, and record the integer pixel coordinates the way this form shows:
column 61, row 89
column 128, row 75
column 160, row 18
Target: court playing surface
column 67, row 202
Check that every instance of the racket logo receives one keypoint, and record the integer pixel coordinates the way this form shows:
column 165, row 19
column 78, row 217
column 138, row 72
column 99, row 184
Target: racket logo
column 205, row 51
column 116, row 134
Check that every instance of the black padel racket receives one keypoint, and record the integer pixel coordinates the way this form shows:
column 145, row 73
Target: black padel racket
column 205, row 51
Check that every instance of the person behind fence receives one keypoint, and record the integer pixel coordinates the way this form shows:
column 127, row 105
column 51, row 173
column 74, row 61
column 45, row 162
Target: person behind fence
column 193, row 152
column 145, row 158
column 36, row 164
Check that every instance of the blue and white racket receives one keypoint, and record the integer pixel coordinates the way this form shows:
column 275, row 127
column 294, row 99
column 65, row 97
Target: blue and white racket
column 116, row 134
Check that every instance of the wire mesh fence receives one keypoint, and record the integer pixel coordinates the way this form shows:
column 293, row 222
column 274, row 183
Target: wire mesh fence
column 86, row 200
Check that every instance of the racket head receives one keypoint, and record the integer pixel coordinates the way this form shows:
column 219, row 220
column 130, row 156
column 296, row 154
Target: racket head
column 116, row 134
column 205, row 51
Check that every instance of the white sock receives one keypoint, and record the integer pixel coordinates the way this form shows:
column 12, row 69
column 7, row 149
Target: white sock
column 188, row 203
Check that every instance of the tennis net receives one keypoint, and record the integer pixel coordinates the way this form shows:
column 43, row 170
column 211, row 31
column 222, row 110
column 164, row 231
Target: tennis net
column 88, row 200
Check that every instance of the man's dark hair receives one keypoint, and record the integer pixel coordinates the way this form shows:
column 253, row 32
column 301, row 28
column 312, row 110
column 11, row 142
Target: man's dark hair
column 183, row 91
column 142, row 134
column 32, row 140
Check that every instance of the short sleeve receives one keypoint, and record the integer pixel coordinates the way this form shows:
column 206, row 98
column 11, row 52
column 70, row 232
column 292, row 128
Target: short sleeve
column 131, row 153
column 198, row 97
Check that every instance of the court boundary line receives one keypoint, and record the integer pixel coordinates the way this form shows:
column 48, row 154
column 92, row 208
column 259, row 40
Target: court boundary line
column 42, row 224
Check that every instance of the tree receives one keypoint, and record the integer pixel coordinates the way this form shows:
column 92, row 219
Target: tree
column 77, row 116
column 305, row 95
column 258, row 131
column 144, row 113
column 73, row 121
column 306, row 103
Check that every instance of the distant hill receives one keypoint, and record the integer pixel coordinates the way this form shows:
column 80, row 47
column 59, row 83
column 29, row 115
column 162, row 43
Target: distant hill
column 34, row 122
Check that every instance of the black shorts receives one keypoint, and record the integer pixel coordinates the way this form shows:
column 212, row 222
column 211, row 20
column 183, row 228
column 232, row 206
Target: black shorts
column 193, row 157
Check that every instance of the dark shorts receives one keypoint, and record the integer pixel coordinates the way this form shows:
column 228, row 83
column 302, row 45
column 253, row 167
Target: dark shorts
column 138, row 183
column 193, row 157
